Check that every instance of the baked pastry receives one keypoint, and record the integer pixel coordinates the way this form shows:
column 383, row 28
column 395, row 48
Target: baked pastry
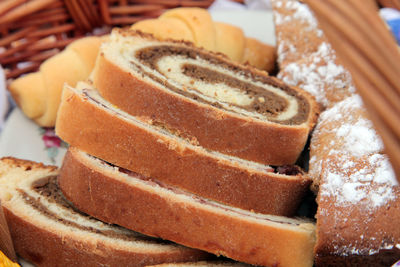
column 227, row 35
column 48, row 231
column 321, row 75
column 150, row 149
column 296, row 30
column 358, row 196
column 196, row 25
column 223, row 106
column 38, row 94
column 305, row 57
column 199, row 22
column 343, row 129
column 116, row 195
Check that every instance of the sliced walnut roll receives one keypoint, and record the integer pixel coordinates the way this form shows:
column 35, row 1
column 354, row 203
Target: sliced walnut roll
column 48, row 231
column 204, row 97
column 90, row 123
column 116, row 196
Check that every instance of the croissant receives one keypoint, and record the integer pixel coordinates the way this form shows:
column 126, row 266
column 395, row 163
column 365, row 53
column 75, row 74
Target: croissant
column 39, row 93
column 196, row 25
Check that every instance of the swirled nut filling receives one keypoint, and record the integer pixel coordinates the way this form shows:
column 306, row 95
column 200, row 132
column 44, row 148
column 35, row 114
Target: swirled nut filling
column 209, row 79
column 51, row 202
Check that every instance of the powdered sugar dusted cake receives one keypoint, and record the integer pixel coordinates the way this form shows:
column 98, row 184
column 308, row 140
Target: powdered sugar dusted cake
column 307, row 38
column 305, row 57
column 343, row 130
column 321, row 75
column 358, row 216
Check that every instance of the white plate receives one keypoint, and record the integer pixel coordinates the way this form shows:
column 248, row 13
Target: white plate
column 23, row 139
column 256, row 24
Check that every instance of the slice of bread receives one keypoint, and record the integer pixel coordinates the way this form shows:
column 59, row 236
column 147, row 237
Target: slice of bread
column 88, row 122
column 227, row 107
column 48, row 231
column 125, row 198
column 38, row 94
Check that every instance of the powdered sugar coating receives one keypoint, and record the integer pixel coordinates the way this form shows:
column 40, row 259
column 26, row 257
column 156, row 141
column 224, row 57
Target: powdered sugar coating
column 292, row 10
column 355, row 249
column 311, row 63
column 300, row 13
column 360, row 138
column 320, row 75
column 362, row 201
column 351, row 138
column 359, row 206
column 369, row 183
column 354, row 130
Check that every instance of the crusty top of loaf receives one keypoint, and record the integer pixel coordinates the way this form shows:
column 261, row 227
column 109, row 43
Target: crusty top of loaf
column 311, row 64
column 130, row 42
column 359, row 198
column 29, row 190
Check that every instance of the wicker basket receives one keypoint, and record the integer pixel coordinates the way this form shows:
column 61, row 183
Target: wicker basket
column 34, row 30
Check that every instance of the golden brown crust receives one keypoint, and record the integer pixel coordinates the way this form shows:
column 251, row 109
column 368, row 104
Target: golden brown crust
column 167, row 28
column 214, row 128
column 6, row 245
column 27, row 164
column 45, row 248
column 368, row 235
column 31, row 84
column 356, row 194
column 258, row 54
column 38, row 94
column 167, row 216
column 44, row 244
column 296, row 38
column 230, row 40
column 199, row 22
column 125, row 144
column 196, row 25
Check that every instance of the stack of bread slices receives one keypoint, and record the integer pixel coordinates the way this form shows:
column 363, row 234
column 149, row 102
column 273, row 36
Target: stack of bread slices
column 173, row 142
